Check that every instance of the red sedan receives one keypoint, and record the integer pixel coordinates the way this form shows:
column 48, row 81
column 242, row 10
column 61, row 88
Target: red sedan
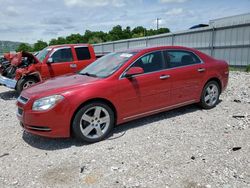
column 120, row 87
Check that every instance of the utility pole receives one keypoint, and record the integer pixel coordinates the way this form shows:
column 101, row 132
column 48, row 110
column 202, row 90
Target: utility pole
column 157, row 22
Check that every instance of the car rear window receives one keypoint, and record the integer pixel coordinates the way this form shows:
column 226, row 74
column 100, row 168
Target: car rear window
column 82, row 53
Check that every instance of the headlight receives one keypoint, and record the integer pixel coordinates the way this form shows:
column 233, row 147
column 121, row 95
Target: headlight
column 46, row 102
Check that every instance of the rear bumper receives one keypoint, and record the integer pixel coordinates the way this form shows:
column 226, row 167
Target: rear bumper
column 225, row 81
column 10, row 83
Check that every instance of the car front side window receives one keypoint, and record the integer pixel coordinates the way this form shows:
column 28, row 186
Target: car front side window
column 150, row 62
column 62, row 55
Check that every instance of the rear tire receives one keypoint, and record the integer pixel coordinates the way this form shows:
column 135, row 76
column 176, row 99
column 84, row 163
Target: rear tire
column 93, row 122
column 25, row 83
column 210, row 95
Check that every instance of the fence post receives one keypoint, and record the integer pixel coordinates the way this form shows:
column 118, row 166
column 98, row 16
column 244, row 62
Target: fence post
column 172, row 39
column 212, row 42
column 128, row 44
column 113, row 45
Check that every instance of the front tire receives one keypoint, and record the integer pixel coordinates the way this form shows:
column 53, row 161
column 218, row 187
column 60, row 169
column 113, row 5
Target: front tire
column 25, row 83
column 210, row 95
column 93, row 122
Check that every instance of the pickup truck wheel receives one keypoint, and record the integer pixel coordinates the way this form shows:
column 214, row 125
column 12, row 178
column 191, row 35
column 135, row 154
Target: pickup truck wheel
column 210, row 95
column 93, row 122
column 25, row 83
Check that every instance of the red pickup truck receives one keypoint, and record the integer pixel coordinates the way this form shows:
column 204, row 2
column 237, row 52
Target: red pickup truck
column 27, row 69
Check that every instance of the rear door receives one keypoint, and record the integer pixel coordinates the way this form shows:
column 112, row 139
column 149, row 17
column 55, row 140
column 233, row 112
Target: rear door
column 83, row 57
column 62, row 63
column 186, row 71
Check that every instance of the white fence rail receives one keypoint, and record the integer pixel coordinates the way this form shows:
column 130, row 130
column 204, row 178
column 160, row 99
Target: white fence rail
column 231, row 43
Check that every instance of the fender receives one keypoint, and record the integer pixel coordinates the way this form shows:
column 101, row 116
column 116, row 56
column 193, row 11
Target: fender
column 31, row 70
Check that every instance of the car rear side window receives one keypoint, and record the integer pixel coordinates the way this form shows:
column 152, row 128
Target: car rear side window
column 177, row 58
column 150, row 62
column 62, row 55
column 82, row 53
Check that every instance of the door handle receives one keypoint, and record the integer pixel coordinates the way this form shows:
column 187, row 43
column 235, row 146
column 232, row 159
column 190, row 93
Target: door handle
column 201, row 70
column 73, row 65
column 163, row 77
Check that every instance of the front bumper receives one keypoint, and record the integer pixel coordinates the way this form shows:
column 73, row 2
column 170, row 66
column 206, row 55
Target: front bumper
column 10, row 83
column 54, row 123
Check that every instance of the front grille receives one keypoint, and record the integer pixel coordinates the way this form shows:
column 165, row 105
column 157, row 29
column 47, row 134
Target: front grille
column 22, row 99
column 38, row 128
column 19, row 111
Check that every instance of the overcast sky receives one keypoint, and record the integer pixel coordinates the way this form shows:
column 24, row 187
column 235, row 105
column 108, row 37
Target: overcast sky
column 32, row 20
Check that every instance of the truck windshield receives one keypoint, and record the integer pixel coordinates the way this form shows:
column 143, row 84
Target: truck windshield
column 107, row 65
column 42, row 54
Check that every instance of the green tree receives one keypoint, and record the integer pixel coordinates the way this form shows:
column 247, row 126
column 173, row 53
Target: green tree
column 163, row 30
column 59, row 40
column 95, row 40
column 127, row 34
column 24, row 47
column 39, row 45
column 53, row 42
column 116, row 33
column 74, row 39
column 139, row 32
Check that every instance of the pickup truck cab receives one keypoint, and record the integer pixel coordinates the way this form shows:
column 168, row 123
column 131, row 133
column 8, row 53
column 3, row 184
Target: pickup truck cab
column 27, row 69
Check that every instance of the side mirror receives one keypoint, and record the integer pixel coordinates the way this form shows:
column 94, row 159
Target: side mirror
column 50, row 60
column 134, row 71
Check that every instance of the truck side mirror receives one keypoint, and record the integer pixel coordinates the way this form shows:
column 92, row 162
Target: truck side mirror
column 50, row 60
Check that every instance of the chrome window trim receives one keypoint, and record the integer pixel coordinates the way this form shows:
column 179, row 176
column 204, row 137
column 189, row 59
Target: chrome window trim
column 81, row 47
column 122, row 76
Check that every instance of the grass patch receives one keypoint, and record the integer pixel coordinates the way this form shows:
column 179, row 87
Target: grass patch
column 248, row 68
column 238, row 68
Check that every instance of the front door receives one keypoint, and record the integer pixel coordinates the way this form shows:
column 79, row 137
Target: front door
column 62, row 63
column 147, row 92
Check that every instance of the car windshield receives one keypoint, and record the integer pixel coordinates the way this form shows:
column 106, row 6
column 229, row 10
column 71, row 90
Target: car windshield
column 42, row 54
column 107, row 65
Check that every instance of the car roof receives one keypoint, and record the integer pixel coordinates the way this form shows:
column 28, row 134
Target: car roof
column 148, row 49
column 68, row 45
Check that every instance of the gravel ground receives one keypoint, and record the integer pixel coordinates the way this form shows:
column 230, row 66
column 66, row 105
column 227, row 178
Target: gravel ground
column 186, row 147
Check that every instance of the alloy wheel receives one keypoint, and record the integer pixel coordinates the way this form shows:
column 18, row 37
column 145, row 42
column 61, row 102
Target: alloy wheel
column 95, row 122
column 211, row 94
column 28, row 84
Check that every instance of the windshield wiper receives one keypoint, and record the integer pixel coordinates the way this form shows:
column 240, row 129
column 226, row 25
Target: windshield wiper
column 88, row 74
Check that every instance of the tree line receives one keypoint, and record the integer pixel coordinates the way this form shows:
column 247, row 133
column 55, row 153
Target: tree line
column 93, row 37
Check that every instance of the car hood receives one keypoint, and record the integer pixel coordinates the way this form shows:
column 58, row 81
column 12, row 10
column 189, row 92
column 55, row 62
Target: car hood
column 59, row 85
column 17, row 58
